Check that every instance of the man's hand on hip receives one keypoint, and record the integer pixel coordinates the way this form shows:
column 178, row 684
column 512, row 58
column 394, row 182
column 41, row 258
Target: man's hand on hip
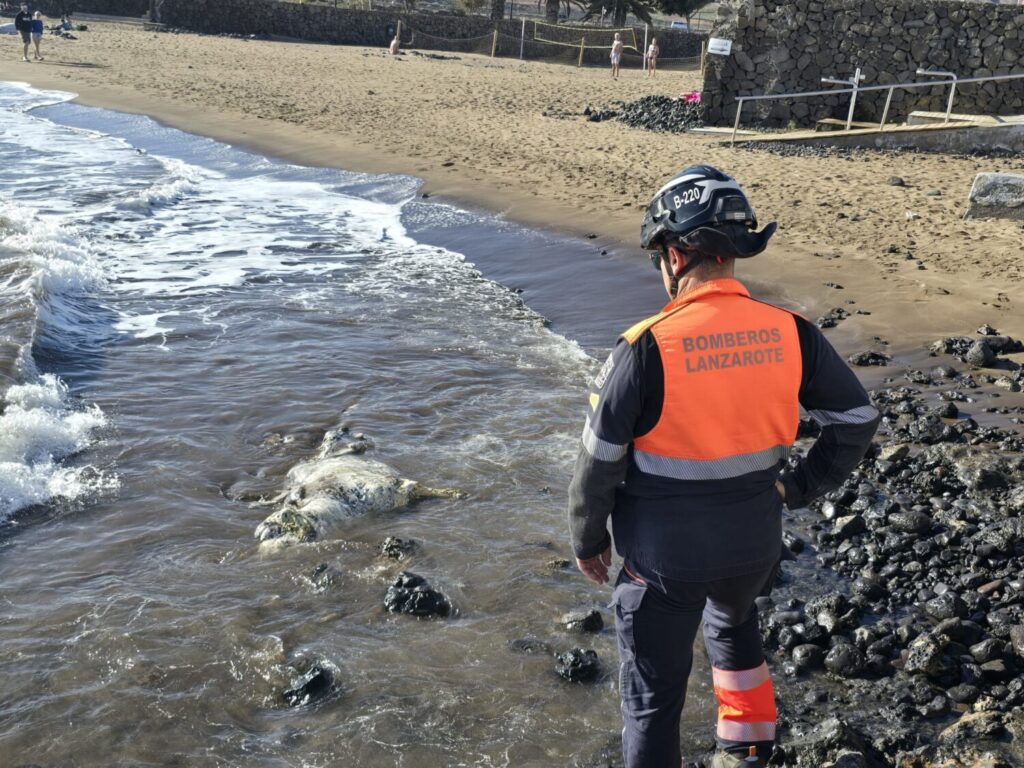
column 596, row 568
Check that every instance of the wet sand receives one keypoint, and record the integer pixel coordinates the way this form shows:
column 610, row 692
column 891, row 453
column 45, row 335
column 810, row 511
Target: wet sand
column 474, row 129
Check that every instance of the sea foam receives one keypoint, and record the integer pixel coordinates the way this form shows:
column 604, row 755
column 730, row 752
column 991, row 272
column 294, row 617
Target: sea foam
column 38, row 429
column 46, row 269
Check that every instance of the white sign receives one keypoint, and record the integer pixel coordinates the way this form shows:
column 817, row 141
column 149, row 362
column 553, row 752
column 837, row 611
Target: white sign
column 719, row 46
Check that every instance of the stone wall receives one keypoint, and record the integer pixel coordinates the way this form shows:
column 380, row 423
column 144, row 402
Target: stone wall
column 783, row 46
column 54, row 9
column 326, row 24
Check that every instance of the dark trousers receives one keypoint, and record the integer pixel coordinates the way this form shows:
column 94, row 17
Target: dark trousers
column 656, row 621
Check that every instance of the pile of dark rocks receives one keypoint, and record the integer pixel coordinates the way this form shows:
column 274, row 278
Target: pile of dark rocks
column 653, row 113
column 982, row 351
column 928, row 623
column 832, row 318
column 413, row 595
column 866, row 358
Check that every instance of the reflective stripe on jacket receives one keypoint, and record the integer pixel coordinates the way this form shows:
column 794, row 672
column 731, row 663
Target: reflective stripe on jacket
column 731, row 369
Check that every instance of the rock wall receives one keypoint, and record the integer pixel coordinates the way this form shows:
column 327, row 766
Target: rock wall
column 326, row 24
column 54, row 9
column 783, row 46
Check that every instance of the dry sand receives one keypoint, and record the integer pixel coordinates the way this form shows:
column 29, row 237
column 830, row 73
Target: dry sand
column 473, row 128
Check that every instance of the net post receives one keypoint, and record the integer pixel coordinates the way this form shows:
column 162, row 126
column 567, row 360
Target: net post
column 644, row 52
column 703, row 55
column 494, row 43
column 583, row 45
column 522, row 41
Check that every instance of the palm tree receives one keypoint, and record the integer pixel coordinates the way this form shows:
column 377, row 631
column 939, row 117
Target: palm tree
column 682, row 8
column 620, row 9
column 551, row 10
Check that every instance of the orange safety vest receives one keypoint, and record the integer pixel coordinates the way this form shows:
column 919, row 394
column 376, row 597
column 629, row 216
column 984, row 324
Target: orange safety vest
column 732, row 368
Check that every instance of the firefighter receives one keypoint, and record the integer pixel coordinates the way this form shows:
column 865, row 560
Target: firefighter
column 685, row 446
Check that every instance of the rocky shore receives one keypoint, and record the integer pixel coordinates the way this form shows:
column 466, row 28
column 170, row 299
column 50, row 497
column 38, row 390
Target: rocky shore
column 896, row 632
column 914, row 656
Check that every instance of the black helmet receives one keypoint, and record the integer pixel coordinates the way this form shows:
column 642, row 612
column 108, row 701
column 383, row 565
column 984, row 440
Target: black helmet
column 707, row 211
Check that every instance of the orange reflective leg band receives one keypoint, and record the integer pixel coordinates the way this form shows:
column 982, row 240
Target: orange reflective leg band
column 746, row 704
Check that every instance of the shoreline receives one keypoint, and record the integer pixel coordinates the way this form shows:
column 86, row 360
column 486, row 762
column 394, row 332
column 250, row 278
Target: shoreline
column 315, row 149
column 919, row 298
column 859, row 633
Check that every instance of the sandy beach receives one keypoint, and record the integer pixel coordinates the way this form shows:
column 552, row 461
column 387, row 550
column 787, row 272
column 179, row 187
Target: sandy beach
column 199, row 346
column 475, row 130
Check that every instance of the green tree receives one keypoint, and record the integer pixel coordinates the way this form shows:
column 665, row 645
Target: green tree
column 684, row 8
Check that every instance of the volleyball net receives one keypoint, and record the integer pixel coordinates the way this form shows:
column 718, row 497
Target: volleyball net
column 582, row 37
column 417, row 38
column 554, row 43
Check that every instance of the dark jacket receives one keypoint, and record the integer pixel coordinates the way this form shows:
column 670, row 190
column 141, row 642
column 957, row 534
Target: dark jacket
column 702, row 529
column 23, row 21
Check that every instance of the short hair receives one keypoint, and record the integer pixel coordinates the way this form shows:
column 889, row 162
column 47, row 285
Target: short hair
column 709, row 266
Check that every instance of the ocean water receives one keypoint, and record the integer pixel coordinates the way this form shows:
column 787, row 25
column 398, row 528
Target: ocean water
column 181, row 322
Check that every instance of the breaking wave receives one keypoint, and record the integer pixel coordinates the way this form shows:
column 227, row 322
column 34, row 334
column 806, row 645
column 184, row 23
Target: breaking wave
column 44, row 269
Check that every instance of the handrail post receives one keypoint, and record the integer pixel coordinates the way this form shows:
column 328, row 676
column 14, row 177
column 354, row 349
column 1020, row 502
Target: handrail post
column 952, row 86
column 857, row 77
column 885, row 112
column 736, row 125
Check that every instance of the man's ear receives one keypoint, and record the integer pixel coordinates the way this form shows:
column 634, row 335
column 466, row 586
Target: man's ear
column 676, row 259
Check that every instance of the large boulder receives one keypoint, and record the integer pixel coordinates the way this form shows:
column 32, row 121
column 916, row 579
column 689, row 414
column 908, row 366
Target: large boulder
column 997, row 196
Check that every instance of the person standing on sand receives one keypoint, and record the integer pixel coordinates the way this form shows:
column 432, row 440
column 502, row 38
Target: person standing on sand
column 37, row 32
column 685, row 447
column 394, row 48
column 23, row 23
column 617, row 48
column 652, row 56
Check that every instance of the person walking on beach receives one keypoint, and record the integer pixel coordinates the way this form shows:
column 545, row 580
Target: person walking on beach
column 685, row 446
column 37, row 32
column 23, row 24
column 617, row 48
column 652, row 56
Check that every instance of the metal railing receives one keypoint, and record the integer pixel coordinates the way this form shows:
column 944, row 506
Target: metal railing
column 855, row 89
